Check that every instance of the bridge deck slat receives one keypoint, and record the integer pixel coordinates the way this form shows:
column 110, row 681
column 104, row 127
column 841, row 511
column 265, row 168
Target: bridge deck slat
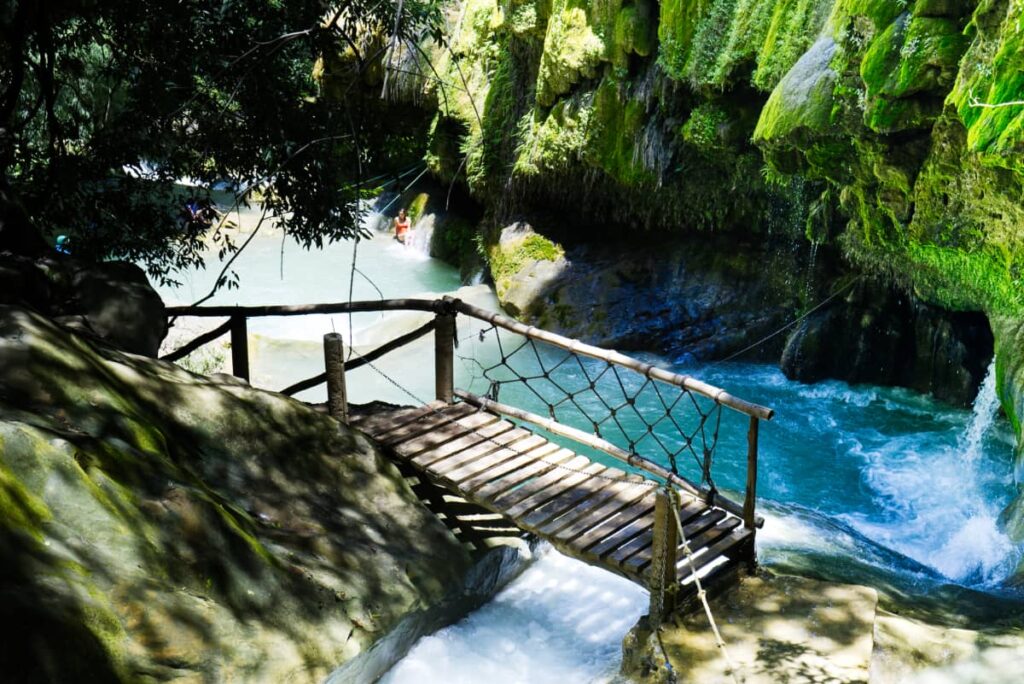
column 424, row 424
column 508, row 467
column 610, row 527
column 483, row 446
column 638, row 527
column 526, row 451
column 702, row 532
column 566, row 503
column 464, row 428
column 384, row 421
column 575, row 480
column 426, row 449
column 596, row 510
column 459, row 467
column 560, row 472
column 505, row 483
column 723, row 547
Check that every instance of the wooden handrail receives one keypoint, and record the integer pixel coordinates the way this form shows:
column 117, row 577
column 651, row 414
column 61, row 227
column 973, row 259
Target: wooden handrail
column 434, row 305
column 363, row 359
column 445, row 308
column 646, row 369
column 635, row 460
column 198, row 342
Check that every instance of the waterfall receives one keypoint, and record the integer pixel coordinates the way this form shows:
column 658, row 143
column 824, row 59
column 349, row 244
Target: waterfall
column 422, row 234
column 986, row 405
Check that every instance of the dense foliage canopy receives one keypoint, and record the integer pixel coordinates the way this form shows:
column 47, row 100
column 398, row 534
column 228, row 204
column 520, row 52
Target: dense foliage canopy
column 106, row 104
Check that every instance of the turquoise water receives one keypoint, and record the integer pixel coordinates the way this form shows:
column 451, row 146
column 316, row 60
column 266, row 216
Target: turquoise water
column 858, row 483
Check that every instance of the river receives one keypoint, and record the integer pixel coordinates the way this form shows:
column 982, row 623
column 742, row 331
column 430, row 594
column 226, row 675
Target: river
column 874, row 485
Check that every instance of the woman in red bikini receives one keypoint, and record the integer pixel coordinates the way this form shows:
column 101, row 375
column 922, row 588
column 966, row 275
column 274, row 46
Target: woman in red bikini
column 401, row 226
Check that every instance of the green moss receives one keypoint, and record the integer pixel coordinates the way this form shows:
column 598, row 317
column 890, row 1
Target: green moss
column 704, row 128
column 912, row 57
column 417, row 206
column 993, row 74
column 572, row 51
column 20, row 509
column 553, row 140
column 612, row 141
column 507, row 260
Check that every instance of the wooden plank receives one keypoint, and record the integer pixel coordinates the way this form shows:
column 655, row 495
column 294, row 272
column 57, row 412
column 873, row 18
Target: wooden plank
column 638, row 543
column 627, row 534
column 388, row 419
column 609, row 527
column 501, row 430
column 516, row 478
column 725, row 546
column 596, row 510
column 565, row 503
column 573, row 480
column 451, row 470
column 468, row 426
column 700, row 533
column 485, row 445
column 507, row 467
column 425, row 423
column 508, row 499
column 480, row 467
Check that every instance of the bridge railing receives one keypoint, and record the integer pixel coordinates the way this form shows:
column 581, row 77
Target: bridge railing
column 644, row 407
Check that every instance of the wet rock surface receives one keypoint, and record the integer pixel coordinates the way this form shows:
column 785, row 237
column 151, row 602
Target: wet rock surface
column 876, row 335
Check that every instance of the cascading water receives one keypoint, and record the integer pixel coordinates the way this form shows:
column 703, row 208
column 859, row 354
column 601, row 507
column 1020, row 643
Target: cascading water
column 863, row 484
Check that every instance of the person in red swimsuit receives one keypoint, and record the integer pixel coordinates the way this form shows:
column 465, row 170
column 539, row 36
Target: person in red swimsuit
column 402, row 226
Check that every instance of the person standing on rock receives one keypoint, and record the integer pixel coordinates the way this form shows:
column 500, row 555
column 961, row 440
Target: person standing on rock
column 402, row 224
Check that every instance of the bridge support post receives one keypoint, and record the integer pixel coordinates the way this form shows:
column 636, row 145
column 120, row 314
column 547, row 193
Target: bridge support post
column 750, row 502
column 662, row 582
column 239, row 347
column 334, row 363
column 444, row 356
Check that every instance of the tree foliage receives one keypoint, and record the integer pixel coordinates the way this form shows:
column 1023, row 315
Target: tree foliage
column 106, row 104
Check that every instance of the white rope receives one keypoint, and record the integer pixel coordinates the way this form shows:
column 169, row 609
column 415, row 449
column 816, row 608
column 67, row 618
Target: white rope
column 702, row 595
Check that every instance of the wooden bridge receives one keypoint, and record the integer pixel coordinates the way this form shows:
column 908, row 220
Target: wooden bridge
column 645, row 522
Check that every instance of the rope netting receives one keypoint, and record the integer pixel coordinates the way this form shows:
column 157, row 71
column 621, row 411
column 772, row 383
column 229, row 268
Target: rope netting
column 664, row 423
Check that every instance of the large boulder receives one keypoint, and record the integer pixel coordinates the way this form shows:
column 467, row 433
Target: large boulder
column 156, row 525
column 878, row 335
column 112, row 301
column 115, row 301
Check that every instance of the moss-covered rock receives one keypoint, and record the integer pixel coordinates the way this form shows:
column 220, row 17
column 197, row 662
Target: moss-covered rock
column 157, row 525
column 523, row 263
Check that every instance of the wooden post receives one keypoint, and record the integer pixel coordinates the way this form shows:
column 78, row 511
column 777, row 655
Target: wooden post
column 334, row 362
column 239, row 347
column 661, row 581
column 750, row 503
column 444, row 357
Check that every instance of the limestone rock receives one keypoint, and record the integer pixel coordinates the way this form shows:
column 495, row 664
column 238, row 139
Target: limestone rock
column 158, row 526
column 777, row 629
column 115, row 301
column 876, row 335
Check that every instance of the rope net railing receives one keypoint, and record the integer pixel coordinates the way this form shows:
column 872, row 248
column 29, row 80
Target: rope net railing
column 657, row 421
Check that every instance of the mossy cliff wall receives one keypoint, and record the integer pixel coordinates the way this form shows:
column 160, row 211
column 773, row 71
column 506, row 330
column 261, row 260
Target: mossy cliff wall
column 885, row 125
column 891, row 129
